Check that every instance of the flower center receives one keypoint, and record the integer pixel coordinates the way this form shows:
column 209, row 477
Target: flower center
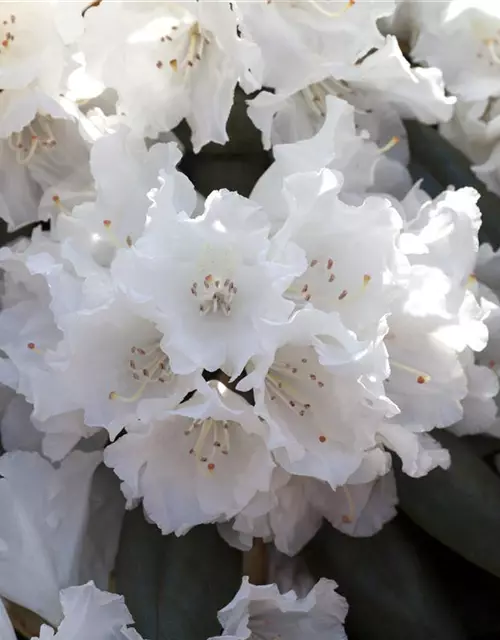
column 36, row 136
column 189, row 41
column 320, row 282
column 214, row 295
column 211, row 438
column 147, row 366
column 6, row 33
column 287, row 381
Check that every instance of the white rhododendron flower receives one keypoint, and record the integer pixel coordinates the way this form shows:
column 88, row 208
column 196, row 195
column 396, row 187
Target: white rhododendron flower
column 124, row 172
column 34, row 55
column 112, row 366
column 186, row 58
column 292, row 513
column 212, row 450
column 470, row 70
column 382, row 79
column 263, row 612
column 338, row 145
column 213, row 283
column 90, row 613
column 301, row 39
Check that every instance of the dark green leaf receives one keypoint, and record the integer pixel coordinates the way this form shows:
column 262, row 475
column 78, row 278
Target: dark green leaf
column 236, row 173
column 244, row 137
column 392, row 593
column 459, row 506
column 482, row 445
column 429, row 182
column 448, row 166
column 175, row 586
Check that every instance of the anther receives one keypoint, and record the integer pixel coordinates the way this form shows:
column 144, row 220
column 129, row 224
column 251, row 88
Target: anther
column 173, row 64
column 421, row 376
column 343, row 294
column 322, row 439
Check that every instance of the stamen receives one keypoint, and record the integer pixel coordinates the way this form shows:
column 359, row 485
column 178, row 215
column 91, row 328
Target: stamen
column 158, row 370
column 490, row 43
column 322, row 439
column 331, row 14
column 57, row 201
column 390, row 145
column 31, row 152
column 32, row 347
column 216, row 296
column 209, row 425
column 348, row 518
column 95, row 3
column 315, row 99
column 421, row 376
column 284, row 391
column 113, row 238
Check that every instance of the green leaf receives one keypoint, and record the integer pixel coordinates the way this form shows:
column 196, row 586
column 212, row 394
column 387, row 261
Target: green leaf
column 236, row 173
column 459, row 506
column 448, row 166
column 244, row 137
column 392, row 593
column 482, row 445
column 429, row 183
column 175, row 586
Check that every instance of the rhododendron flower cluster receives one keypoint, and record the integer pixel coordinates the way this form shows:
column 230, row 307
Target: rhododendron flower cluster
column 254, row 362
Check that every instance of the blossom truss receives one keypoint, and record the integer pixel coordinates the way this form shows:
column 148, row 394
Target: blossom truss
column 182, row 60
column 88, row 612
column 262, row 612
